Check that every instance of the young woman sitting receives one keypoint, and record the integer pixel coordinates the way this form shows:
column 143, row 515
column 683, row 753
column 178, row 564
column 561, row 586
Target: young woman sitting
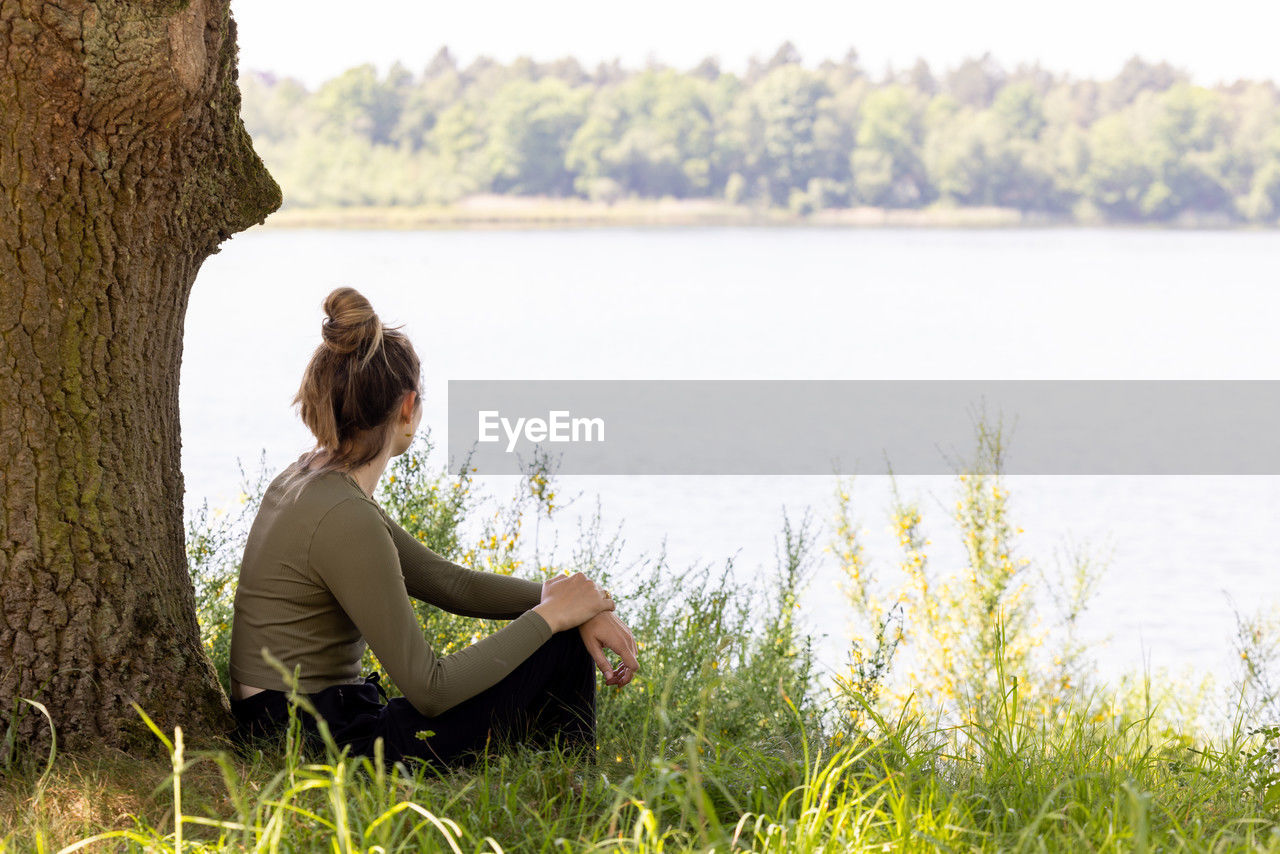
column 326, row 571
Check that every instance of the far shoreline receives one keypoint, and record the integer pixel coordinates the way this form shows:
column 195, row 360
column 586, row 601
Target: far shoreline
column 481, row 212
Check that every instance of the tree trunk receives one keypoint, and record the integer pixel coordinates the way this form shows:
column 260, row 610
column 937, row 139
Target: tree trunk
column 123, row 165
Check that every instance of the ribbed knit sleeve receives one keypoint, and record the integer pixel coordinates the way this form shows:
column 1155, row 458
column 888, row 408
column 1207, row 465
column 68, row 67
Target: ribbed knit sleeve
column 356, row 557
column 438, row 581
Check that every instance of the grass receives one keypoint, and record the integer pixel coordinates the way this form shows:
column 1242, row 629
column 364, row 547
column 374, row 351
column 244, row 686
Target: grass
column 1013, row 784
column 725, row 740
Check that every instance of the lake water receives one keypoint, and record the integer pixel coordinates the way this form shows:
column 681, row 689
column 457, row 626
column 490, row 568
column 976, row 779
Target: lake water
column 796, row 303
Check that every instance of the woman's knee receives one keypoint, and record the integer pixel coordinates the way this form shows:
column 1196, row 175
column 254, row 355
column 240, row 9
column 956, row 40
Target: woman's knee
column 570, row 644
column 566, row 652
column 564, row 640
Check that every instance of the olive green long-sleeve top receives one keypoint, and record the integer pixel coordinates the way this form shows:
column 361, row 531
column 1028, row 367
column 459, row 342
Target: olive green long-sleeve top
column 327, row 571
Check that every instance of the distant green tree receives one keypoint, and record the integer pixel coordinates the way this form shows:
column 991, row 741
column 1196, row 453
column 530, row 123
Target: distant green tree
column 708, row 69
column 441, row 64
column 786, row 54
column 1162, row 155
column 1138, row 76
column 1193, row 148
column 485, row 76
column 357, row 102
column 529, row 129
column 780, row 133
column 1019, row 111
column 523, row 68
column 921, row 77
column 458, row 143
column 653, row 134
column 608, row 73
column 887, row 163
column 1119, row 178
column 991, row 157
column 440, row 87
column 567, row 69
column 1262, row 203
column 975, row 82
column 1253, row 174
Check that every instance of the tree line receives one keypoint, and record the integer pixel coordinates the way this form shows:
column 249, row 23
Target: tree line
column 1145, row 145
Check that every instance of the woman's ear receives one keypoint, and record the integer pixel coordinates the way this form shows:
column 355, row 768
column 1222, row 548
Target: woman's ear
column 408, row 405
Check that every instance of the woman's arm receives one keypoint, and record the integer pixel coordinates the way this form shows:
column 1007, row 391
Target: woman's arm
column 358, row 561
column 472, row 593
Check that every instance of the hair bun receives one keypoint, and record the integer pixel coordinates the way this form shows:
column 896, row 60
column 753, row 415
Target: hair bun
column 352, row 326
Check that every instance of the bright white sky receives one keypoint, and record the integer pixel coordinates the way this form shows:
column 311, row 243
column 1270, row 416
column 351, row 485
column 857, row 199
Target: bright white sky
column 315, row 39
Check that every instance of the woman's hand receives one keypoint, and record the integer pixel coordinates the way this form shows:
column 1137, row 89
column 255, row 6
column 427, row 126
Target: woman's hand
column 606, row 631
column 571, row 600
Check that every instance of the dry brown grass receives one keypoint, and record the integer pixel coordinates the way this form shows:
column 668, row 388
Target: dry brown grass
column 528, row 212
column 86, row 794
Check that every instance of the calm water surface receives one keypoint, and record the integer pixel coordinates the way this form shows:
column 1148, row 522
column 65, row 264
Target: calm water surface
column 752, row 303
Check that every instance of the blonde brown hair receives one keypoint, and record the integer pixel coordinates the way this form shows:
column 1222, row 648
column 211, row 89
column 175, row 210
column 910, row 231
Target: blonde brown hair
column 352, row 386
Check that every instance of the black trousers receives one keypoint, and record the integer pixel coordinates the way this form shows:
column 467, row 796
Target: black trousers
column 549, row 697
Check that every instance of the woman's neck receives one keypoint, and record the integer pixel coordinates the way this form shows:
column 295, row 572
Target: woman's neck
column 368, row 475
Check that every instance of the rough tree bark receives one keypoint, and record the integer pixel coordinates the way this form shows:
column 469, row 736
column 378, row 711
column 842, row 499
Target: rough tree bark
column 123, row 165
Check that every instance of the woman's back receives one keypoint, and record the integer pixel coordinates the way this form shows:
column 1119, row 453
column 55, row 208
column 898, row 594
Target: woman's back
column 282, row 603
column 326, row 573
